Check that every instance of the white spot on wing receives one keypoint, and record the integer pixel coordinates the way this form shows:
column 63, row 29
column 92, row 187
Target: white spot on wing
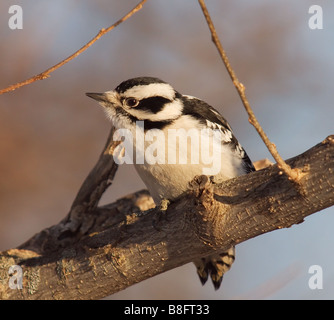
column 225, row 135
column 239, row 150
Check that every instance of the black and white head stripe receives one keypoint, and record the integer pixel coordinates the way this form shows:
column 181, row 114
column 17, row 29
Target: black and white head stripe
column 142, row 88
column 157, row 100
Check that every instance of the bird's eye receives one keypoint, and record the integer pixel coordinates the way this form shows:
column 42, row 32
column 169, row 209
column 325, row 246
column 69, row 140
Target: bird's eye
column 131, row 102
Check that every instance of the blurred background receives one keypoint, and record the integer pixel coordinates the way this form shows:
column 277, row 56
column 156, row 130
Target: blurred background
column 51, row 134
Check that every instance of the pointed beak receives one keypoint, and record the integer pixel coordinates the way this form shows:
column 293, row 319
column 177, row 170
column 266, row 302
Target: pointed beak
column 101, row 97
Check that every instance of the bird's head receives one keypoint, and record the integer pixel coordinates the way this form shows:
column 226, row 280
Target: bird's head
column 145, row 98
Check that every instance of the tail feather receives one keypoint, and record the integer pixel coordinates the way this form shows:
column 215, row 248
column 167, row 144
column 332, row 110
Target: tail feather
column 215, row 266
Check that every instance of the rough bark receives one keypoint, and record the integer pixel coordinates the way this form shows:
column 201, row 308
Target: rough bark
column 109, row 248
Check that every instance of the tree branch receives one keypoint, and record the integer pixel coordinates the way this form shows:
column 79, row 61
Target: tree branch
column 122, row 246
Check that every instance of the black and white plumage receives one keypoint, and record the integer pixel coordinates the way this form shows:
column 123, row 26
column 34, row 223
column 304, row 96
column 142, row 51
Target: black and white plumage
column 162, row 111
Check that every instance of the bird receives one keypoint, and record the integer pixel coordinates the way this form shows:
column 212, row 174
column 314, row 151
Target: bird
column 154, row 115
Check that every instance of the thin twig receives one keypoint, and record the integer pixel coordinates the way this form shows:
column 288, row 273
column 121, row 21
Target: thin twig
column 291, row 173
column 45, row 74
